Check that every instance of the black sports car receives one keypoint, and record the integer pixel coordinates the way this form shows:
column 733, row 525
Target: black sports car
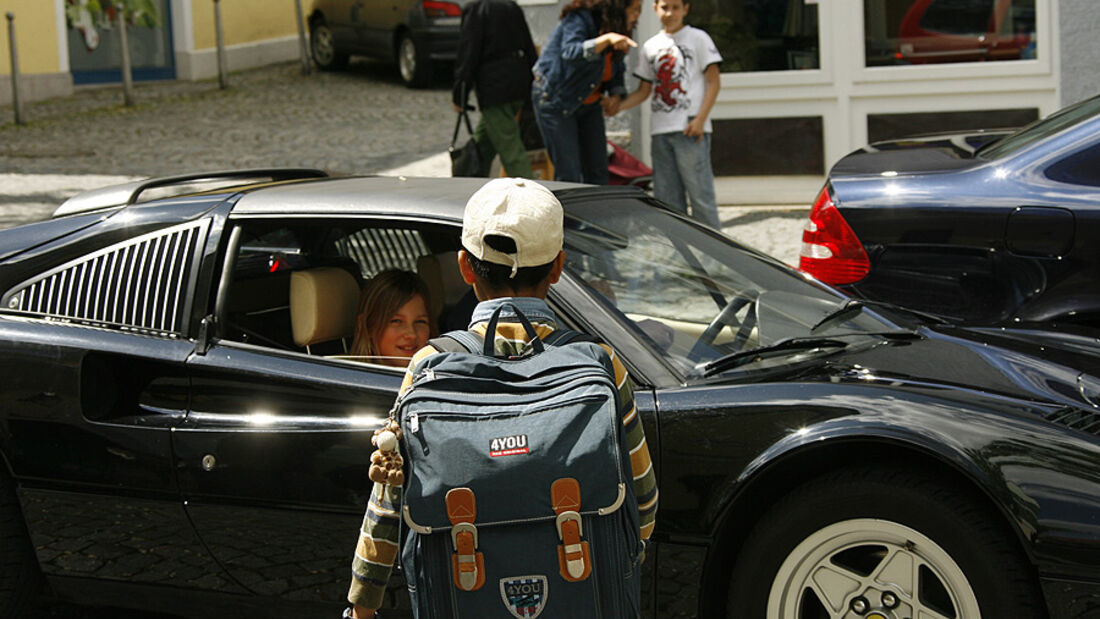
column 182, row 430
column 990, row 227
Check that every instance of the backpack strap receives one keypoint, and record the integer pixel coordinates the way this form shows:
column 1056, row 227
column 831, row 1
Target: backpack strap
column 457, row 341
column 561, row 337
column 574, row 556
column 467, row 341
column 467, row 564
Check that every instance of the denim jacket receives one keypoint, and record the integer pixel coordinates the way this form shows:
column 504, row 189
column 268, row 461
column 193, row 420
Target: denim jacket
column 569, row 68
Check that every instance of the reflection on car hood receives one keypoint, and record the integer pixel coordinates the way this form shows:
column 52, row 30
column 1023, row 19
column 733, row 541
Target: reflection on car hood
column 930, row 153
column 1033, row 366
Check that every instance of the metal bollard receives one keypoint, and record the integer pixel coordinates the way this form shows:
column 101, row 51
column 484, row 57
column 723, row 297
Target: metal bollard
column 223, row 77
column 124, row 46
column 16, row 100
column 303, row 46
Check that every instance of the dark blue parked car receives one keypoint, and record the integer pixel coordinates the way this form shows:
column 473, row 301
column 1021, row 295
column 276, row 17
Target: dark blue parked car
column 416, row 34
column 993, row 227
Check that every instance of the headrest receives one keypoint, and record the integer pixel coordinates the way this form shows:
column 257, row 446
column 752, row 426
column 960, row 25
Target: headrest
column 323, row 302
column 440, row 273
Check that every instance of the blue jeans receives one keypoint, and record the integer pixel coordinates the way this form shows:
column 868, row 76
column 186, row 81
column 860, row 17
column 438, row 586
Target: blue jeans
column 681, row 173
column 576, row 142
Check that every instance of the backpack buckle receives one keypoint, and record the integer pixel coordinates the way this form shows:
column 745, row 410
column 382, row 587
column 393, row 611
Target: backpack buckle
column 574, row 556
column 467, row 564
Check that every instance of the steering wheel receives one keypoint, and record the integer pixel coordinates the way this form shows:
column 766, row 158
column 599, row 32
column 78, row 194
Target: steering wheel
column 727, row 317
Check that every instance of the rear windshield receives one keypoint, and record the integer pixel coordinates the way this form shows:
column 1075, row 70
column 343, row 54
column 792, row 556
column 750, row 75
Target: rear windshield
column 1041, row 129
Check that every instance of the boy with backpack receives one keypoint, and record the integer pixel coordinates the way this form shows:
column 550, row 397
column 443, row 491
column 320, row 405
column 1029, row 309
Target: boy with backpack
column 679, row 65
column 497, row 424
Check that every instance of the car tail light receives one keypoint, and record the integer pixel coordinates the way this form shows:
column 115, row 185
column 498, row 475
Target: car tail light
column 435, row 8
column 831, row 251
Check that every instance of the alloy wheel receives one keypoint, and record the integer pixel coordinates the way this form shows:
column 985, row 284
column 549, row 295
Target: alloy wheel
column 870, row 569
column 324, row 49
column 407, row 59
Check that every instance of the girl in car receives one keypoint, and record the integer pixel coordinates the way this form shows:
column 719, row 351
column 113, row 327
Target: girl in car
column 393, row 320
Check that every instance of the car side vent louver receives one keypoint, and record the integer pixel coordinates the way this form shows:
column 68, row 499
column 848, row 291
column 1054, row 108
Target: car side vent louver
column 139, row 285
column 1079, row 419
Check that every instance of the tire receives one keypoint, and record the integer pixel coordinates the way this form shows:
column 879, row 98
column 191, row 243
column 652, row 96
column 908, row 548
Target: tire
column 20, row 578
column 413, row 63
column 889, row 540
column 322, row 46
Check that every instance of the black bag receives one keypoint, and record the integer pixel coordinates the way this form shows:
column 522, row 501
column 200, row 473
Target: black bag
column 465, row 160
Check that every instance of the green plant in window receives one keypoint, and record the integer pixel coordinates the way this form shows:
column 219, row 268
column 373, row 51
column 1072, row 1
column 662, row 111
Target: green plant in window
column 90, row 16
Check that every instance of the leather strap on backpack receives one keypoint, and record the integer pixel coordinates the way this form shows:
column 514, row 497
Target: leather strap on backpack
column 574, row 558
column 467, row 564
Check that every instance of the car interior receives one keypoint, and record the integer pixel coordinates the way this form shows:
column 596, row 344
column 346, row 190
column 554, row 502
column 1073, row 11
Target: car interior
column 295, row 285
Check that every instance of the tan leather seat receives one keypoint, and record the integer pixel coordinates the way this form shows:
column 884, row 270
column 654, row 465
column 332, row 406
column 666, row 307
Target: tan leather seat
column 323, row 304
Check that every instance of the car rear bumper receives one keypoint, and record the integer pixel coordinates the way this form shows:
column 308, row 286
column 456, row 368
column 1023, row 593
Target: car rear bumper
column 441, row 40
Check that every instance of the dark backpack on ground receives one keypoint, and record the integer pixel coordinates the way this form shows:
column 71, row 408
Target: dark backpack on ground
column 519, row 499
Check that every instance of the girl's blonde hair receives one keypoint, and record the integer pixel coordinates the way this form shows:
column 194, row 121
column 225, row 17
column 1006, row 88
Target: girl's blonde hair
column 380, row 299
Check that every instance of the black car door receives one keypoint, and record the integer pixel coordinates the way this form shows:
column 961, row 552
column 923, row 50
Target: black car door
column 95, row 381
column 272, row 464
column 273, row 457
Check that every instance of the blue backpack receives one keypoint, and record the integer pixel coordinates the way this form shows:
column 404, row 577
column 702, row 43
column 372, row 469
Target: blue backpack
column 519, row 499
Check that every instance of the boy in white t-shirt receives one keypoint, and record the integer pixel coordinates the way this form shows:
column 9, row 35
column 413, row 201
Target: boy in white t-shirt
column 679, row 65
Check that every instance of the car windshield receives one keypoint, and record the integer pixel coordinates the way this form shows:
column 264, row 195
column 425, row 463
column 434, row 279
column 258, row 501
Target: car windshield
column 695, row 296
column 1041, row 129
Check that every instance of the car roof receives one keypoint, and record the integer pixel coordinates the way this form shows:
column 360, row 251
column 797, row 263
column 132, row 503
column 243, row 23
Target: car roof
column 379, row 195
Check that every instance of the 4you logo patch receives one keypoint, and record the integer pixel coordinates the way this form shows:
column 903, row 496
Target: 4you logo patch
column 524, row 596
column 509, row 446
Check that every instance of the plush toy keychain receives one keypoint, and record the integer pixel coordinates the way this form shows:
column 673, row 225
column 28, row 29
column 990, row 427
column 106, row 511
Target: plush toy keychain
column 386, row 462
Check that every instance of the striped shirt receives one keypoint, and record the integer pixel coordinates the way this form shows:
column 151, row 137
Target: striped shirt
column 378, row 538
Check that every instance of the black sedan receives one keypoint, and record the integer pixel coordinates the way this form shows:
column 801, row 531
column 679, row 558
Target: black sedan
column 990, row 227
column 182, row 430
column 416, row 34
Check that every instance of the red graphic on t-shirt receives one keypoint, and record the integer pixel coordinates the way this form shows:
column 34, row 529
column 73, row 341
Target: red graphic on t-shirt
column 666, row 85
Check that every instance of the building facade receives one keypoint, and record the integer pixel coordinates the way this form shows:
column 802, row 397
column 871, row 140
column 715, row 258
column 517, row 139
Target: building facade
column 62, row 43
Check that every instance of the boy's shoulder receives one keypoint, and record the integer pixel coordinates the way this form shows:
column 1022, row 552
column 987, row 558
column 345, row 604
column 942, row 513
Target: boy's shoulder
column 693, row 32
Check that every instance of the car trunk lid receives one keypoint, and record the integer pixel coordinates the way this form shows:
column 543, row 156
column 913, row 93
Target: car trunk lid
column 928, row 153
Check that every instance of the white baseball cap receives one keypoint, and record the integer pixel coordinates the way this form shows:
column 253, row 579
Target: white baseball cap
column 519, row 209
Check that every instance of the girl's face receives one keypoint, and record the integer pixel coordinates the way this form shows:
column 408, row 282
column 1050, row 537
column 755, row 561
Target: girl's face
column 633, row 12
column 406, row 332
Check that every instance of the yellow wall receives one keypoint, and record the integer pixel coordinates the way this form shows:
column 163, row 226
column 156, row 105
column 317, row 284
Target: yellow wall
column 35, row 36
column 243, row 21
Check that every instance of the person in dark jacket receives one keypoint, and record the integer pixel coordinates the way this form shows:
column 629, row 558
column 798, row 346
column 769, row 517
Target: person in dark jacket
column 495, row 54
column 579, row 79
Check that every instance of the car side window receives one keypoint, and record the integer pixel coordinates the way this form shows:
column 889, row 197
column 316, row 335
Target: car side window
column 295, row 284
column 1080, row 168
column 140, row 285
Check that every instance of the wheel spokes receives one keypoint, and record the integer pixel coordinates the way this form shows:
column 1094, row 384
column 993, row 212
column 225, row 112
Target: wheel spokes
column 854, row 567
column 834, row 586
column 898, row 570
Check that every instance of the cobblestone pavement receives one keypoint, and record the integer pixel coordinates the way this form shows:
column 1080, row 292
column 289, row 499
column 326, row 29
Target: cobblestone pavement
column 359, row 121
